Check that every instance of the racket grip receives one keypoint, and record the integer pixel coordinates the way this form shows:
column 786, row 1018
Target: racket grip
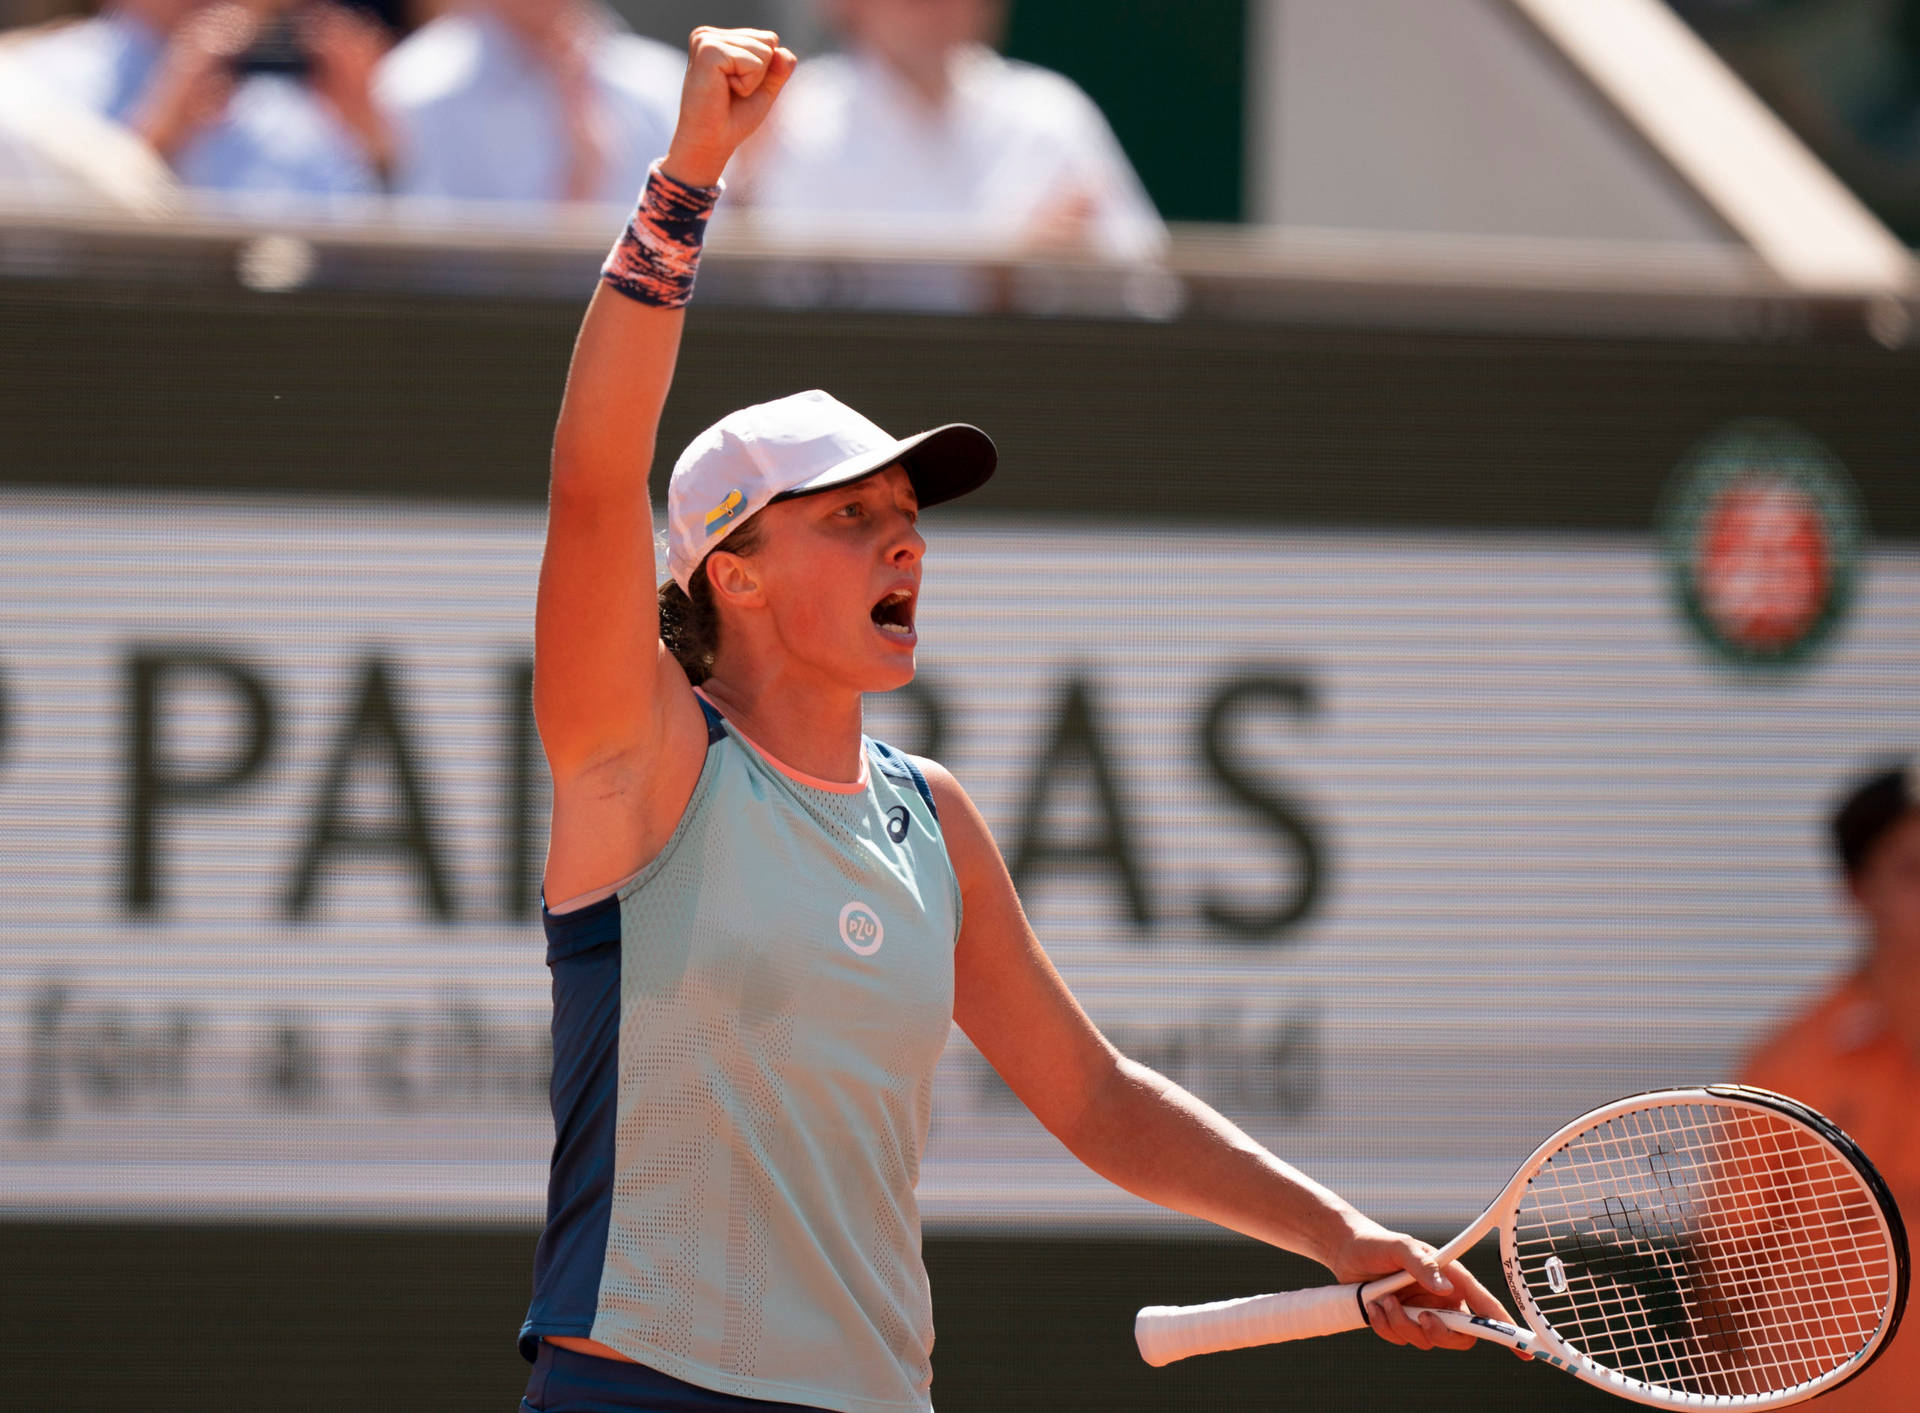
column 1166, row 1332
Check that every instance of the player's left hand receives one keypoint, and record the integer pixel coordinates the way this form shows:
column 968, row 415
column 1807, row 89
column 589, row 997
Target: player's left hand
column 1395, row 1316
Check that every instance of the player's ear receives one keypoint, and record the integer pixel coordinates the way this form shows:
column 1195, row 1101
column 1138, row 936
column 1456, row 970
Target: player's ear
column 733, row 580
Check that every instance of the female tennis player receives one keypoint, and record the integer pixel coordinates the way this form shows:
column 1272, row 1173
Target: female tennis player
column 761, row 925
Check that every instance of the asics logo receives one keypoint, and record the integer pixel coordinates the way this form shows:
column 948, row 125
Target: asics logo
column 860, row 929
column 898, row 822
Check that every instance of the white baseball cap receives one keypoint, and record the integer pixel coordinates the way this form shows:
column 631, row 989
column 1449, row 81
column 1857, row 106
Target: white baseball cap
column 792, row 447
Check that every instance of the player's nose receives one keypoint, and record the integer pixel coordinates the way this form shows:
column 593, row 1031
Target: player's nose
column 909, row 546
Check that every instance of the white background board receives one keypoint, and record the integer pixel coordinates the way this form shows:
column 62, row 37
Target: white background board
column 1564, row 853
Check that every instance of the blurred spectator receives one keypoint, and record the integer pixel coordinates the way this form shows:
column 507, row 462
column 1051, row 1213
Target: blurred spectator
column 797, row 22
column 921, row 129
column 531, row 101
column 1855, row 1054
column 260, row 98
column 38, row 12
column 52, row 150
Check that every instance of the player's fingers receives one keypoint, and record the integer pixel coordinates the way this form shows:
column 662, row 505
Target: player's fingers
column 1419, row 1262
column 1396, row 1324
column 1443, row 1335
column 753, row 109
column 703, row 34
column 740, row 60
column 745, row 63
column 1482, row 1301
column 747, row 53
column 1377, row 1322
column 779, row 71
column 1479, row 1299
column 746, row 80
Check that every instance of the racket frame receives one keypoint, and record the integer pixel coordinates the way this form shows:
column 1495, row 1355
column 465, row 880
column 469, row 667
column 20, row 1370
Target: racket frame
column 1550, row 1348
column 1166, row 1334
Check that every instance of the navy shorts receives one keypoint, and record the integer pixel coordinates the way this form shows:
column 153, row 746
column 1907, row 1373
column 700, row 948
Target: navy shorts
column 567, row 1381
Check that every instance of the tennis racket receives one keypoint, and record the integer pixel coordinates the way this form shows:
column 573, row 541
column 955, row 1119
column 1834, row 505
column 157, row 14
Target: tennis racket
column 1719, row 1247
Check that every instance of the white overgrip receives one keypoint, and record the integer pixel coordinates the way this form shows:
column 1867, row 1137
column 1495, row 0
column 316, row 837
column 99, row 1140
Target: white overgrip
column 1167, row 1332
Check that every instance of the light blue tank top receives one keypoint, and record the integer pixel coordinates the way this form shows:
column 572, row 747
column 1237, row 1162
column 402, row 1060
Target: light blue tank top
column 745, row 1037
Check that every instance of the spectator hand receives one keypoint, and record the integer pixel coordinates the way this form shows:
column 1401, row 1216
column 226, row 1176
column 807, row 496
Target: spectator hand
column 733, row 77
column 1373, row 1251
column 346, row 47
column 1064, row 225
column 194, row 80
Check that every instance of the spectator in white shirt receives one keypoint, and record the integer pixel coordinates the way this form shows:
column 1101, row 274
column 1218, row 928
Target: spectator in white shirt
column 529, row 101
column 173, row 73
column 52, row 150
column 920, row 129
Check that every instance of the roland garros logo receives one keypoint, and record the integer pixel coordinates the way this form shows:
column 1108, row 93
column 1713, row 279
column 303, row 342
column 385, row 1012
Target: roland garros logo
column 1762, row 527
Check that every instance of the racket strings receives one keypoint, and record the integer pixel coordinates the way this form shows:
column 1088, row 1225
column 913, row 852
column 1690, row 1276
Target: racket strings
column 1714, row 1251
column 1783, row 1275
column 1635, row 1250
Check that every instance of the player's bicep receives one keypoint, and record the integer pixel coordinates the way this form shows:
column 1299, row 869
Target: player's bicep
column 598, row 665
column 599, row 669
column 1008, row 998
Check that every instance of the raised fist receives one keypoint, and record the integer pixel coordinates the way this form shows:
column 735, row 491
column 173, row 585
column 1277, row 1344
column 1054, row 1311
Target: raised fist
column 733, row 76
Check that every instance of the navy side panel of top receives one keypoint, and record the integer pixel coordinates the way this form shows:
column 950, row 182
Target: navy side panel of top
column 583, row 952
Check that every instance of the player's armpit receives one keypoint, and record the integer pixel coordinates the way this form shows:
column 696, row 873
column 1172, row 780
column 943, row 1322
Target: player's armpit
column 613, row 813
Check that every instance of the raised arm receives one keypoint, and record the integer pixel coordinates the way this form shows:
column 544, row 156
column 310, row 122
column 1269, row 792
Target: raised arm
column 1139, row 1129
column 614, row 711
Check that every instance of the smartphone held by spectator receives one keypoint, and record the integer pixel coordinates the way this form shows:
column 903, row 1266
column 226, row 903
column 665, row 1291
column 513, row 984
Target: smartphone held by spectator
column 251, row 100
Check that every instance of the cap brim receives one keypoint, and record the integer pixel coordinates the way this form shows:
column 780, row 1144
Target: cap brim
column 943, row 464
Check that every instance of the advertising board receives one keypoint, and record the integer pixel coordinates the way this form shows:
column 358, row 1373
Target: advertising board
column 1386, row 843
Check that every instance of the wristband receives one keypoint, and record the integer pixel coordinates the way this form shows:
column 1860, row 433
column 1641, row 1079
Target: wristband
column 654, row 262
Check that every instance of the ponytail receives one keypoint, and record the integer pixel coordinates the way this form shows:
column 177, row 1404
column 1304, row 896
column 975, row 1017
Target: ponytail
column 689, row 626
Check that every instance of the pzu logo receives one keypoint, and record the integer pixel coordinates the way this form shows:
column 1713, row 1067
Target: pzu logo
column 860, row 929
column 898, row 822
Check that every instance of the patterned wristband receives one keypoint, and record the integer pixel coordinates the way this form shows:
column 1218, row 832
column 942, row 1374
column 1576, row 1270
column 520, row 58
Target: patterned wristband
column 654, row 262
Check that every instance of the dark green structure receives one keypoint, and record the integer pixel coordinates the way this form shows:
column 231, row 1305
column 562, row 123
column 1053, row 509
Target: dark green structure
column 1171, row 79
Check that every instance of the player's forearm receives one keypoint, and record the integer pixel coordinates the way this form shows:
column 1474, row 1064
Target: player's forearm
column 1147, row 1134
column 623, row 364
column 624, row 359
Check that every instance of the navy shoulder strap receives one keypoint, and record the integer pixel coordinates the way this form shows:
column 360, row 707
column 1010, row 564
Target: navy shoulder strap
column 716, row 723
column 900, row 766
column 920, row 784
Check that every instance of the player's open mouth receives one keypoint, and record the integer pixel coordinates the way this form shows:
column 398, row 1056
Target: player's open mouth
column 894, row 613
